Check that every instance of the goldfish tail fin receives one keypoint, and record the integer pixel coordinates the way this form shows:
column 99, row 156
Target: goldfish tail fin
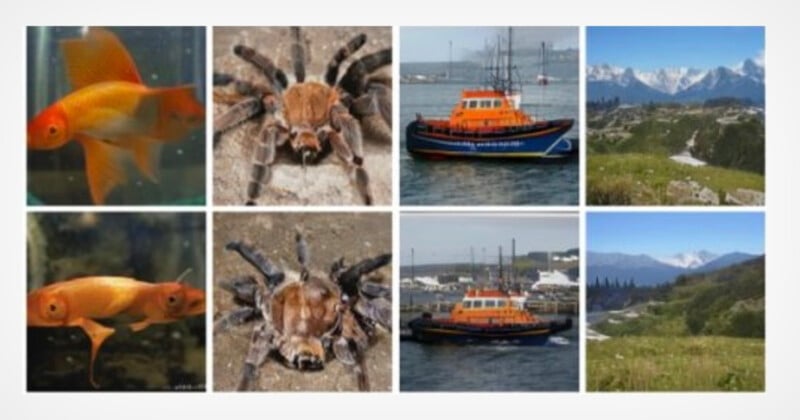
column 179, row 112
column 104, row 167
column 97, row 57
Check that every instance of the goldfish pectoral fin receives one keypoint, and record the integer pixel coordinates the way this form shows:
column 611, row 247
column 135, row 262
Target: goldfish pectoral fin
column 104, row 167
column 138, row 326
column 179, row 112
column 97, row 57
column 146, row 155
column 97, row 333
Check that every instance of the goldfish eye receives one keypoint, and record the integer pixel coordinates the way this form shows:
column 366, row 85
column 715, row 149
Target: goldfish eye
column 174, row 301
column 55, row 309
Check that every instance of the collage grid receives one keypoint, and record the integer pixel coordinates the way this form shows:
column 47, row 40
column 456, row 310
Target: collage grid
column 212, row 212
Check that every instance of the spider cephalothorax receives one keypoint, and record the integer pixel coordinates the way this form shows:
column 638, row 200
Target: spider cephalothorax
column 310, row 118
column 306, row 318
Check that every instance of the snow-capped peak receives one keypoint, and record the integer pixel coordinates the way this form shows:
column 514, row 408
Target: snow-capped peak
column 750, row 68
column 671, row 80
column 604, row 72
column 689, row 259
column 678, row 79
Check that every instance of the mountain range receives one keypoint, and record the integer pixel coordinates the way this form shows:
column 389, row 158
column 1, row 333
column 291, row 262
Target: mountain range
column 649, row 271
column 745, row 81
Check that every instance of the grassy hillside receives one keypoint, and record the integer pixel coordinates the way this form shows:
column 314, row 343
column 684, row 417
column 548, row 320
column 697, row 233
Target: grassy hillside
column 642, row 179
column 724, row 136
column 707, row 334
column 675, row 364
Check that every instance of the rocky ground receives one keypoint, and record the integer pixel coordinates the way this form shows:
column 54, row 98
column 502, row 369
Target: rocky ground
column 325, row 183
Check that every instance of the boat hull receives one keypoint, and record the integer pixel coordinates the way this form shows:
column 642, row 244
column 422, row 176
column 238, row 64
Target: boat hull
column 540, row 140
column 428, row 330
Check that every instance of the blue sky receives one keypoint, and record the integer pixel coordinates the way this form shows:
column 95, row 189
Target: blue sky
column 652, row 48
column 447, row 238
column 665, row 234
column 431, row 44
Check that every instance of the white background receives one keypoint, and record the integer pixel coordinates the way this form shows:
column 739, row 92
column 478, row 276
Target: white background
column 782, row 65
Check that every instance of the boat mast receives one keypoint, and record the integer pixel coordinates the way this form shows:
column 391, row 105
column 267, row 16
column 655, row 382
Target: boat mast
column 512, row 274
column 450, row 62
column 472, row 263
column 497, row 82
column 508, row 69
column 412, row 266
column 500, row 263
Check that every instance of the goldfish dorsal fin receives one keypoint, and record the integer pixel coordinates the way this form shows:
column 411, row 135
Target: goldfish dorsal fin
column 98, row 57
column 183, row 275
column 104, row 166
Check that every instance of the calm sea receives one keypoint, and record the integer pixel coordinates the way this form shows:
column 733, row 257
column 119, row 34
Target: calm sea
column 484, row 182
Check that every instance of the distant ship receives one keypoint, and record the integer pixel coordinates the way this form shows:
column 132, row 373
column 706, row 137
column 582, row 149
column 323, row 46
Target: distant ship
column 542, row 79
column 488, row 123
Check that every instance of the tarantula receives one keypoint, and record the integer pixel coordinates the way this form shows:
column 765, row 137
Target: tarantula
column 305, row 318
column 310, row 118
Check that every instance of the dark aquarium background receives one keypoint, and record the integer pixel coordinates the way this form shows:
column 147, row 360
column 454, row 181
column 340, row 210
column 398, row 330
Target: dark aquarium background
column 153, row 247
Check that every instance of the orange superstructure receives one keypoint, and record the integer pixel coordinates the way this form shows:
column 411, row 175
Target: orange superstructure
column 484, row 110
column 484, row 307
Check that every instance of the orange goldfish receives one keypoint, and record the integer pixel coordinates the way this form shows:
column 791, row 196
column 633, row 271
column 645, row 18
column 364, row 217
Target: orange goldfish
column 78, row 302
column 112, row 114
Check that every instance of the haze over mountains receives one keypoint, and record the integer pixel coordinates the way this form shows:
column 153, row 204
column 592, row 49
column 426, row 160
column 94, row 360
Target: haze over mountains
column 649, row 271
column 745, row 81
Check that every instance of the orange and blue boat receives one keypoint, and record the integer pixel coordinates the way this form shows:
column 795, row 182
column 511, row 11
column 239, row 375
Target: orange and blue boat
column 486, row 317
column 488, row 123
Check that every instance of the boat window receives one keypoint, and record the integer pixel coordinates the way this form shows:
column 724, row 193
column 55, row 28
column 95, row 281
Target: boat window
column 491, row 303
column 497, row 103
column 477, row 304
column 473, row 104
column 486, row 103
column 501, row 303
column 467, row 304
column 464, row 104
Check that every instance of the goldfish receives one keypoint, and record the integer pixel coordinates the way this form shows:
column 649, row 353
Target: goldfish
column 112, row 114
column 80, row 302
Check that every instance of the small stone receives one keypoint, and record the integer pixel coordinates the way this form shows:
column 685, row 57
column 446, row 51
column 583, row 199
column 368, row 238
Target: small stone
column 691, row 192
column 744, row 197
